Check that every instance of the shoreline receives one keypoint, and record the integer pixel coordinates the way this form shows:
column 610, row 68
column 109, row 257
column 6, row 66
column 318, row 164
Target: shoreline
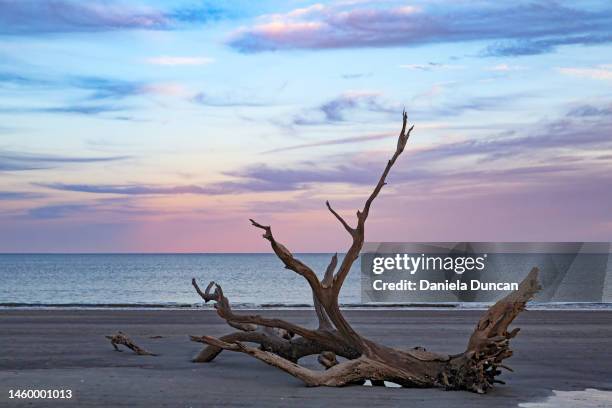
column 565, row 306
column 66, row 349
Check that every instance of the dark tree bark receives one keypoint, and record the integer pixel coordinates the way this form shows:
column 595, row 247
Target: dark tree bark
column 281, row 343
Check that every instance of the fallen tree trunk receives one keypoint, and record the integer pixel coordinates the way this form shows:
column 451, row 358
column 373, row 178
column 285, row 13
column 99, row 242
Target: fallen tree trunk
column 281, row 343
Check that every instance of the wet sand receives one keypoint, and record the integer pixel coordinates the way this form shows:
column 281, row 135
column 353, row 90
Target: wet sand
column 66, row 349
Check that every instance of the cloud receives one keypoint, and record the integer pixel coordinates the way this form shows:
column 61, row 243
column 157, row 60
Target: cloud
column 205, row 12
column 173, row 61
column 229, row 187
column 505, row 68
column 102, row 88
column 87, row 110
column 55, row 211
column 16, row 79
column 300, row 175
column 101, row 93
column 19, row 161
column 534, row 47
column 538, row 142
column 165, row 89
column 18, row 195
column 121, row 208
column 204, row 99
column 35, row 17
column 344, row 140
column 590, row 111
column 543, row 148
column 522, row 28
column 129, row 189
column 79, row 109
column 334, row 110
column 601, row 72
column 337, row 109
column 564, row 133
column 356, row 75
column 430, row 66
column 473, row 103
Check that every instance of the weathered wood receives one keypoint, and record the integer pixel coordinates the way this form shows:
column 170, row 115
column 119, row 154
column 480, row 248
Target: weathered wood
column 282, row 344
column 121, row 338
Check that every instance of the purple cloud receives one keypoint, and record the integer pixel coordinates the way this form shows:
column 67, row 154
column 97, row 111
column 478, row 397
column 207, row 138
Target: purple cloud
column 207, row 100
column 518, row 29
column 229, row 187
column 542, row 144
column 74, row 109
column 18, row 195
column 590, row 111
column 334, row 110
column 31, row 17
column 19, row 161
column 540, row 141
column 128, row 189
column 343, row 140
column 55, row 211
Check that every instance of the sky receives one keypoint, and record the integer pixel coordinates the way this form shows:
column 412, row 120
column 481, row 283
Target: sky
column 163, row 126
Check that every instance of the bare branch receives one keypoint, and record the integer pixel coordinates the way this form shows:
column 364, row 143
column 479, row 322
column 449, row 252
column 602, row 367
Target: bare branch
column 287, row 348
column 288, row 259
column 337, row 375
column 123, row 339
column 265, row 340
column 348, row 372
column 362, row 215
column 206, row 295
column 305, row 374
column 222, row 304
column 347, row 227
column 250, row 322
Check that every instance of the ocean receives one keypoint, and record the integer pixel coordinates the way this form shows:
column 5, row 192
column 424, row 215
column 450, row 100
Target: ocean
column 164, row 281
column 248, row 280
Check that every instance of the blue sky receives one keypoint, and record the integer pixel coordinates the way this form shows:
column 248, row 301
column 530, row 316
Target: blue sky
column 164, row 125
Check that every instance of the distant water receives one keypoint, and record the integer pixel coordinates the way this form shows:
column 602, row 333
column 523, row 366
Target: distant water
column 158, row 279
column 164, row 280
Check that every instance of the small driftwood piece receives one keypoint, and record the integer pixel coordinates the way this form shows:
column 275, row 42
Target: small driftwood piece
column 123, row 339
column 281, row 344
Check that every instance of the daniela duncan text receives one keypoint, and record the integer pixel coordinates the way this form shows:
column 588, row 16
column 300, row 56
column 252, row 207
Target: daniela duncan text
column 408, row 285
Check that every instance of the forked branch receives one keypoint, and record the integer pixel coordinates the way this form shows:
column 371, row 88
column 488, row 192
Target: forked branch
column 359, row 234
column 288, row 259
column 347, row 227
column 324, row 339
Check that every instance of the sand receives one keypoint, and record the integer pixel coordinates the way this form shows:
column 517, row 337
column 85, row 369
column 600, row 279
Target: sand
column 556, row 351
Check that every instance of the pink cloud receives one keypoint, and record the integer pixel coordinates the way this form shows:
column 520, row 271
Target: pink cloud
column 516, row 29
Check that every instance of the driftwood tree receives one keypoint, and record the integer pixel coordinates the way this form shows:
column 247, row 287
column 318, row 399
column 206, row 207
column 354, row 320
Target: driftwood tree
column 281, row 344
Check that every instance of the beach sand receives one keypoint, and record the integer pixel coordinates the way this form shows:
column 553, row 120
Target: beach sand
column 66, row 349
